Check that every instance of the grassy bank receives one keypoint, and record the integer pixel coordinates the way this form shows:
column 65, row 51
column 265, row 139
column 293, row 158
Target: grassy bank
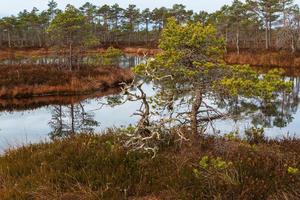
column 30, row 81
column 254, row 58
column 264, row 58
column 98, row 167
column 21, row 104
column 27, row 53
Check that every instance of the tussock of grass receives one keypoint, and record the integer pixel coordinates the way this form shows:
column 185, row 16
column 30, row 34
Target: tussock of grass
column 28, row 81
column 98, row 167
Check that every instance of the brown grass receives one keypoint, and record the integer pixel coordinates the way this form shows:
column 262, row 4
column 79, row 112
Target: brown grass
column 259, row 58
column 98, row 167
column 7, row 54
column 270, row 59
column 10, row 53
column 141, row 51
column 31, row 81
column 21, row 104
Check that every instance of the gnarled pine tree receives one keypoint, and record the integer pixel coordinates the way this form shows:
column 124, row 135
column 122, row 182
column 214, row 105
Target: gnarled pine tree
column 191, row 71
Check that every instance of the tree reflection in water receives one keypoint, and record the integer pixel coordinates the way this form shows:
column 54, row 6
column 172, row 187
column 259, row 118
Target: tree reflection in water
column 278, row 114
column 71, row 119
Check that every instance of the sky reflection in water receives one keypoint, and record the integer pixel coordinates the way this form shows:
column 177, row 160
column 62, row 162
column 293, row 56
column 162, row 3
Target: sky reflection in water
column 23, row 127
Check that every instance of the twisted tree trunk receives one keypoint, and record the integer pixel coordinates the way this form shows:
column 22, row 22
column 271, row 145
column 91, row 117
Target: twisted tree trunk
column 194, row 112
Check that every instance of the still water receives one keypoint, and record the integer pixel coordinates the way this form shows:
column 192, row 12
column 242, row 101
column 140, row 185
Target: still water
column 34, row 120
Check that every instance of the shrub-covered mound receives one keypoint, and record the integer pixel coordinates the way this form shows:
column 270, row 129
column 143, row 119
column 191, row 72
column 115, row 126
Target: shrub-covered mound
column 30, row 81
column 98, row 167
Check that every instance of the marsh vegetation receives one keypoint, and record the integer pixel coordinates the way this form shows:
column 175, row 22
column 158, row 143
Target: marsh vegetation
column 175, row 145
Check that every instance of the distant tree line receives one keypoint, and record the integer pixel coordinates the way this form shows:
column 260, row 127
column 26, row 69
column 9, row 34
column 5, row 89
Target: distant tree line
column 253, row 24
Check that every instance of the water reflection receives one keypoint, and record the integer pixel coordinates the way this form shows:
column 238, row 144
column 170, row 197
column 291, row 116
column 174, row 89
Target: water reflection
column 69, row 120
column 279, row 119
column 25, row 104
column 58, row 60
column 43, row 118
column 279, row 114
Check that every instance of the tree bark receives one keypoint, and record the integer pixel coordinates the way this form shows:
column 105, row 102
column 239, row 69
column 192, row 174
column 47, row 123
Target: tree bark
column 270, row 34
column 267, row 35
column 9, row 39
column 147, row 32
column 70, row 56
column 238, row 41
column 293, row 44
column 226, row 39
column 194, row 113
column 39, row 39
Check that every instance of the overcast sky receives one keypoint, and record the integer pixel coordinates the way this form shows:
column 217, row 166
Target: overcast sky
column 9, row 7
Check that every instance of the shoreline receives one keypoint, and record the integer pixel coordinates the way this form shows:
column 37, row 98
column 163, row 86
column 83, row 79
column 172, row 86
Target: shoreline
column 260, row 58
column 22, row 104
column 13, row 53
column 41, row 81
column 264, row 59
column 110, row 77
